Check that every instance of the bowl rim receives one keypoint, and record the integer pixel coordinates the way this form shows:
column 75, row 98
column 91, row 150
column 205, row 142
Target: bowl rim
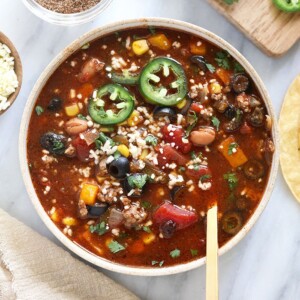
column 95, row 34
column 4, row 39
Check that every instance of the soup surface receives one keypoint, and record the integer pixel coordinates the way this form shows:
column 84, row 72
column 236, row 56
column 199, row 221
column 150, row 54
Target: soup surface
column 137, row 134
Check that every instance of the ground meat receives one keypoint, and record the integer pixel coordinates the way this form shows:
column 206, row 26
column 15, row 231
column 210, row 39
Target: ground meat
column 134, row 215
column 243, row 102
column 109, row 195
column 82, row 210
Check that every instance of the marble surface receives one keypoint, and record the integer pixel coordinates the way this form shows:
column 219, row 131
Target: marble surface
column 266, row 264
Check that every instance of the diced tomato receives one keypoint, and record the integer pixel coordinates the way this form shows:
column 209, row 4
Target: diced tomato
column 245, row 129
column 196, row 107
column 182, row 217
column 176, row 136
column 169, row 154
column 86, row 90
column 82, row 149
column 198, row 172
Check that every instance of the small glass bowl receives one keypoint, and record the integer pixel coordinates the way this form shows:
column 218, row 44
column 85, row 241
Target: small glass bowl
column 66, row 19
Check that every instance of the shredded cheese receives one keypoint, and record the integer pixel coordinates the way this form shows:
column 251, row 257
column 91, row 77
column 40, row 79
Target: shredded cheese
column 8, row 78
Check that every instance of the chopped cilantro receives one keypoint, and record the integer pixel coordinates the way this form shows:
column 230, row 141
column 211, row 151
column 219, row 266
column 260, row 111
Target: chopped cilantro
column 197, row 167
column 192, row 120
column 146, row 204
column 81, row 117
column 231, row 147
column 58, row 145
column 211, row 68
column 193, row 155
column 137, row 180
column 238, row 68
column 181, row 169
column 232, row 180
column 85, row 46
column 155, row 262
column 205, row 177
column 194, row 252
column 99, row 228
column 39, row 110
column 222, row 59
column 147, row 229
column 216, row 122
column 102, row 139
column 115, row 247
column 151, row 140
column 175, row 253
column 117, row 154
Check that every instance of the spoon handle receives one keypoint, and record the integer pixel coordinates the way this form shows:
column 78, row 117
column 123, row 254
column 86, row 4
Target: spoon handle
column 212, row 288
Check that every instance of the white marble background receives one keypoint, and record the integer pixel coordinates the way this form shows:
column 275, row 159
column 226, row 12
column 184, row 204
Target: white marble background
column 266, row 264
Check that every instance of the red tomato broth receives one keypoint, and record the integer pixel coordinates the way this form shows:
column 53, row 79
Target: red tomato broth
column 64, row 179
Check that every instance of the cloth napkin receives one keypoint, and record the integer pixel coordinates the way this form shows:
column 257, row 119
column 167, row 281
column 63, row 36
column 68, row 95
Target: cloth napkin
column 32, row 267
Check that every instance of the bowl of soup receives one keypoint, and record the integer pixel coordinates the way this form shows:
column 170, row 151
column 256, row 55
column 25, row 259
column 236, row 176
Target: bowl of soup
column 134, row 131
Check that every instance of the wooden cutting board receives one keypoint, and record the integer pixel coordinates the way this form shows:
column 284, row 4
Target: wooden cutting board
column 273, row 31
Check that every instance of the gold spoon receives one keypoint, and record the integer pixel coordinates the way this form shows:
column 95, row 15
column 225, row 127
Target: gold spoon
column 18, row 68
column 212, row 287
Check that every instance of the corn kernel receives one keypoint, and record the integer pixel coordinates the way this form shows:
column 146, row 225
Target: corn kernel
column 215, row 88
column 160, row 41
column 149, row 238
column 89, row 193
column 181, row 104
column 69, row 221
column 144, row 153
column 55, row 216
column 140, row 47
column 72, row 110
column 124, row 150
column 134, row 119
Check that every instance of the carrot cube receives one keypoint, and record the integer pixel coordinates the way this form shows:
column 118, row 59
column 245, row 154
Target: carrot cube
column 89, row 193
column 235, row 159
column 160, row 41
column 224, row 75
column 198, row 48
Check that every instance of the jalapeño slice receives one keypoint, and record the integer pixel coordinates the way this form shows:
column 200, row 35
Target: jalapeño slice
column 125, row 77
column 156, row 93
column 119, row 109
column 288, row 5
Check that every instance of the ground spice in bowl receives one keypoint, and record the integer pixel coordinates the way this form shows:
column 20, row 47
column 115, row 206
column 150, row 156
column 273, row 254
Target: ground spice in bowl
column 68, row 6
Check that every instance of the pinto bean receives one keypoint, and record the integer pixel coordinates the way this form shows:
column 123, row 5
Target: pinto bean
column 203, row 136
column 76, row 126
column 89, row 69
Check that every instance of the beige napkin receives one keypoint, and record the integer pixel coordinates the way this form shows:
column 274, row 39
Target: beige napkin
column 32, row 267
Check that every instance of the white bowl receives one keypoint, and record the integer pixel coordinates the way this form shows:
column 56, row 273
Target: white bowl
column 95, row 34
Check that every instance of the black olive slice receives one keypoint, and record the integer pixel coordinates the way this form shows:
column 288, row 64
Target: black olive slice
column 54, row 143
column 257, row 117
column 55, row 104
column 168, row 229
column 160, row 112
column 240, row 83
column 119, row 168
column 199, row 61
column 232, row 222
column 254, row 169
column 97, row 210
